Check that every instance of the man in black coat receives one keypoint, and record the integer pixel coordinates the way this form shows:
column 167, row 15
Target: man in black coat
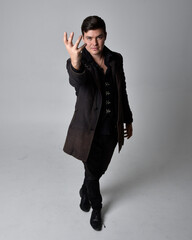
column 102, row 116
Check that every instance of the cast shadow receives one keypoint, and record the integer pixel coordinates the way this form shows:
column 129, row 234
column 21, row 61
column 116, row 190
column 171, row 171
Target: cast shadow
column 127, row 186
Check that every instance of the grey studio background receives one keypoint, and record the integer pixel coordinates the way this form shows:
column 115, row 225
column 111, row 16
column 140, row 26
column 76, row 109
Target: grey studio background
column 147, row 189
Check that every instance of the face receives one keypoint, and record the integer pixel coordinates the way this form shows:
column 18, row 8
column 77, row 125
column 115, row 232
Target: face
column 95, row 40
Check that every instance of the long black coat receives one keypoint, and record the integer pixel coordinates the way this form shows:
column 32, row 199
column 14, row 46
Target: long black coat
column 88, row 105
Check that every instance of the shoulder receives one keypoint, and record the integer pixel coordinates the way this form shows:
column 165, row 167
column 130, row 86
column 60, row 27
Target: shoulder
column 114, row 55
column 118, row 57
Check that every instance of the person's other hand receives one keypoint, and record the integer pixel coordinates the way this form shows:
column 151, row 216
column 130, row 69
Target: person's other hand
column 73, row 49
column 128, row 131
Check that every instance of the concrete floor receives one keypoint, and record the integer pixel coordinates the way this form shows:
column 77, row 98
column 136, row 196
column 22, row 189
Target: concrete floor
column 145, row 196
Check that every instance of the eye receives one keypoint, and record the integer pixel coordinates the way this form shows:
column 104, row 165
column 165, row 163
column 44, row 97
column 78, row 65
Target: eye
column 89, row 38
column 100, row 37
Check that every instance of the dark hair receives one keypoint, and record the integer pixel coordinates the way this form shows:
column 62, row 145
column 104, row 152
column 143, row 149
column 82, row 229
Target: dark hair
column 92, row 23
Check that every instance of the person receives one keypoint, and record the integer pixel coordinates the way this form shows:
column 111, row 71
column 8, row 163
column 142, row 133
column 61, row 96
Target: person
column 102, row 116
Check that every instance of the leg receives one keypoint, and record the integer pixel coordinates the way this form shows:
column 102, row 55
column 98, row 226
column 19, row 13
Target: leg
column 93, row 189
column 95, row 198
column 85, row 203
column 99, row 158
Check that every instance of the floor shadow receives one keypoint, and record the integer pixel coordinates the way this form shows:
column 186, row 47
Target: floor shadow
column 129, row 185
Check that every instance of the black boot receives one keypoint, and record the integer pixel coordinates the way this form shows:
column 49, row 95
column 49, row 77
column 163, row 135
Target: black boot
column 84, row 204
column 96, row 220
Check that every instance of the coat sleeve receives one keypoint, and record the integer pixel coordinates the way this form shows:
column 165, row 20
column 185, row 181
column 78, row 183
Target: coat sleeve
column 127, row 113
column 76, row 78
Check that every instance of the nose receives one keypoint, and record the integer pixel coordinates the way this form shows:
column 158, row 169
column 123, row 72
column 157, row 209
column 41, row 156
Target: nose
column 95, row 41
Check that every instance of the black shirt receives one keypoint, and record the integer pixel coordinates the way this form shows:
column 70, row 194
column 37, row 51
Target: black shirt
column 107, row 119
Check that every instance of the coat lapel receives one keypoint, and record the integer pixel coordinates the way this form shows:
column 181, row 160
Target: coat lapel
column 97, row 79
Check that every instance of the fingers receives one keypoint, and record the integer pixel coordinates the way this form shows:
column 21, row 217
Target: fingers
column 78, row 41
column 65, row 38
column 128, row 132
column 81, row 48
column 126, row 135
column 76, row 45
column 68, row 41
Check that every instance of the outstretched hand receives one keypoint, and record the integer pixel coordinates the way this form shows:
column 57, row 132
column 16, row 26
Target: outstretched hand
column 73, row 49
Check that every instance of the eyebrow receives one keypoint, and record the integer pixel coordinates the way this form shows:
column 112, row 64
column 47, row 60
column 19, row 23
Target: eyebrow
column 101, row 35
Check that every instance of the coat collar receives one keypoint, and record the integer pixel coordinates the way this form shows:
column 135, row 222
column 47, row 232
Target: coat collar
column 88, row 60
column 108, row 54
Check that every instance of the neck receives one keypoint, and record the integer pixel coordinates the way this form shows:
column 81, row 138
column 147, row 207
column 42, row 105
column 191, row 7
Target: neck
column 97, row 57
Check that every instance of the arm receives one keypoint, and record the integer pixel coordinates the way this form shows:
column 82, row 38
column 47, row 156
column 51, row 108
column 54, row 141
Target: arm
column 76, row 77
column 73, row 50
column 128, row 130
column 128, row 118
column 76, row 71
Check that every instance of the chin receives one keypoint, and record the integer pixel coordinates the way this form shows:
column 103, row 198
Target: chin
column 95, row 52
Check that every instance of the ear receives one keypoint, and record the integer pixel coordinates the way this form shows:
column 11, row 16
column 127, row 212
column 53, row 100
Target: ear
column 105, row 35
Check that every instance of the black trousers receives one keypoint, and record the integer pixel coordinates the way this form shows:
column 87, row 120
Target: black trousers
column 97, row 163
